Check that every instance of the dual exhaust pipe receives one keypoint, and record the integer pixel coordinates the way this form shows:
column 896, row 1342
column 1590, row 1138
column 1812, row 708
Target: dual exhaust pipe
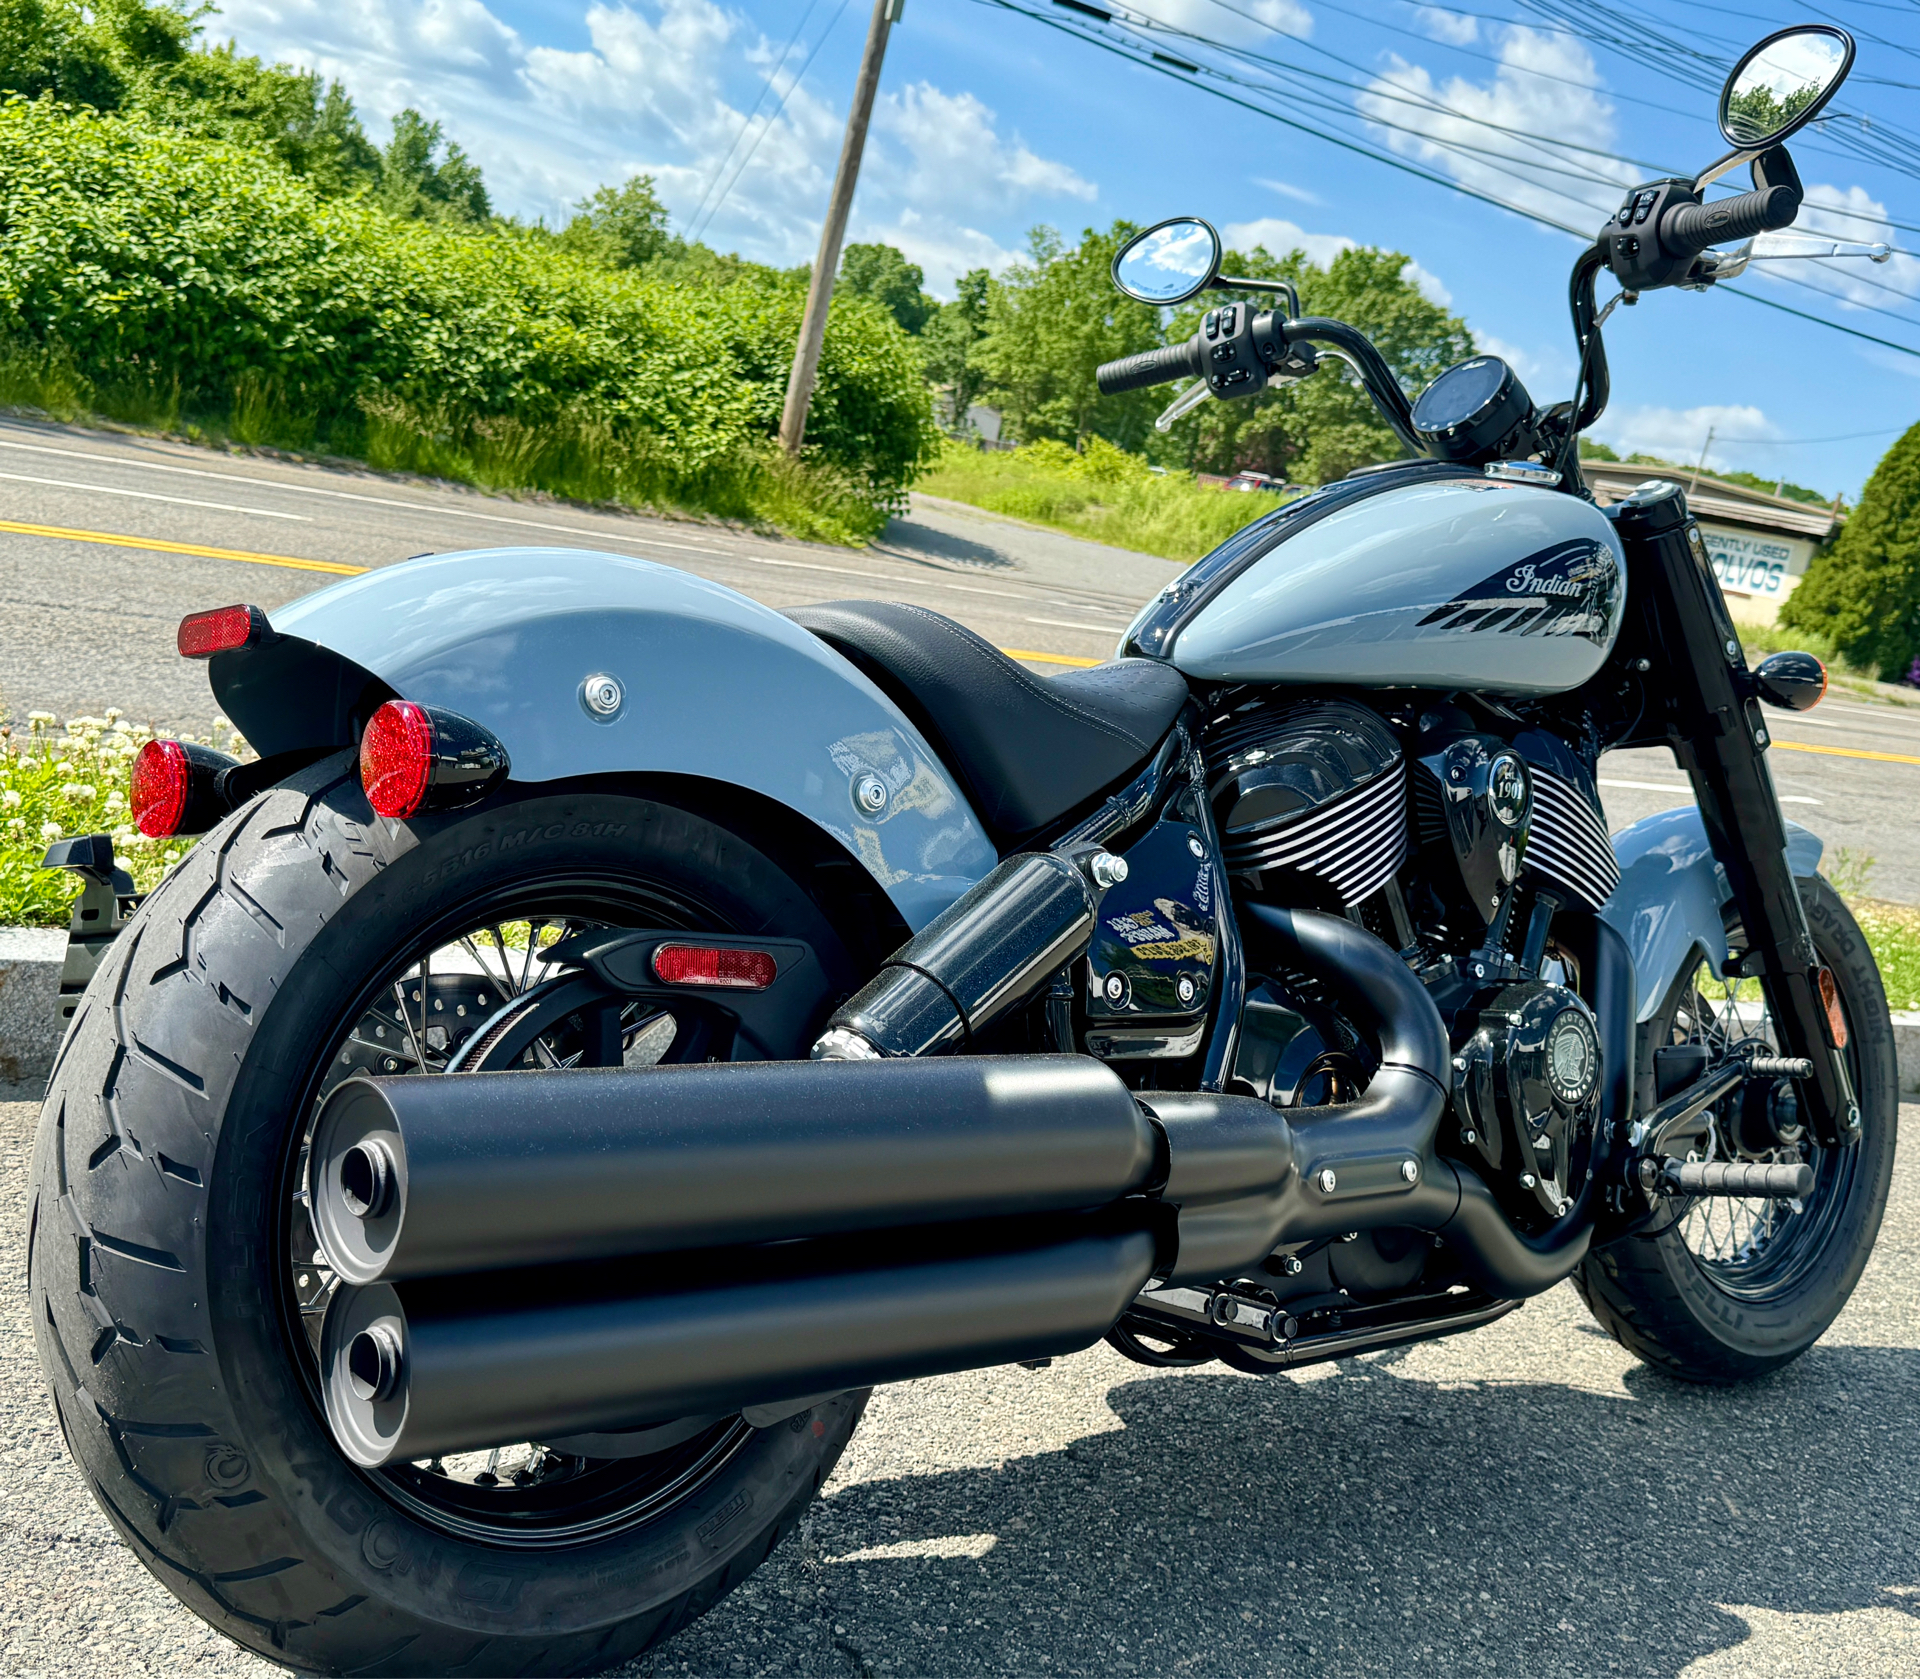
column 538, row 1255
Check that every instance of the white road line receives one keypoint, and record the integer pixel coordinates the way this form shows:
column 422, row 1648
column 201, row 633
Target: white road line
column 1682, row 787
column 1062, row 624
column 148, row 495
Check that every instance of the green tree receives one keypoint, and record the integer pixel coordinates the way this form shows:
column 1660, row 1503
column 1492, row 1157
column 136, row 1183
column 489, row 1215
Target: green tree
column 420, row 182
column 1864, row 591
column 1050, row 323
column 949, row 339
column 620, row 227
column 1325, row 426
column 884, row 274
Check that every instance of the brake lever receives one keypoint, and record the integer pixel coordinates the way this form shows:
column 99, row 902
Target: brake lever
column 1725, row 265
column 1183, row 404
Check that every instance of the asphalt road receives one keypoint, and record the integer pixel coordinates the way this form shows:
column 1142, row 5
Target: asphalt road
column 1525, row 1502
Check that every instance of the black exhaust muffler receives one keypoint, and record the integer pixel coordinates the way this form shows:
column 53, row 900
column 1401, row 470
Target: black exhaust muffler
column 422, row 1368
column 416, row 1177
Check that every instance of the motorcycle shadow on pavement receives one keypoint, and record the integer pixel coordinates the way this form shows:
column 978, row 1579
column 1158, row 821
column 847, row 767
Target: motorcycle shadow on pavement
column 918, row 543
column 1366, row 1520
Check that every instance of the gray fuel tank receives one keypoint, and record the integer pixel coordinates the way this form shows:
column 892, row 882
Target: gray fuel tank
column 1443, row 582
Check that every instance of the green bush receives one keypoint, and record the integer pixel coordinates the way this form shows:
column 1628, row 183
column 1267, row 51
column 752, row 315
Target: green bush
column 1104, row 493
column 1864, row 592
column 162, row 270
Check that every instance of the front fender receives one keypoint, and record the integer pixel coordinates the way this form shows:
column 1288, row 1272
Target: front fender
column 715, row 685
column 1671, row 894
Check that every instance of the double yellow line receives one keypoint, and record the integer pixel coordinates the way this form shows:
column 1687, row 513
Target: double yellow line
column 334, row 569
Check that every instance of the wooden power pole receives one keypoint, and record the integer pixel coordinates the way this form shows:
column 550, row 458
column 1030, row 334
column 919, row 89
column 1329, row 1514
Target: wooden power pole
column 813, row 325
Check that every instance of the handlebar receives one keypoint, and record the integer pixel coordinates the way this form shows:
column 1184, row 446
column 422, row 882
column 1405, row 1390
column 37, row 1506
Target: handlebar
column 1693, row 227
column 1151, row 367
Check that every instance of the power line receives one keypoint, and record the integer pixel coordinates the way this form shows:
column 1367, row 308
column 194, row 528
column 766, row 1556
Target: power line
column 766, row 88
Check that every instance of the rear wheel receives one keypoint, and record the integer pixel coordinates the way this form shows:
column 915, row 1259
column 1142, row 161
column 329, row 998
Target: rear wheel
column 1733, row 1288
column 175, row 1292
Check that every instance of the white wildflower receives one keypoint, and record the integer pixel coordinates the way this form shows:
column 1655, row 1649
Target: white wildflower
column 116, row 802
column 114, row 714
column 9, row 800
column 41, row 717
column 49, row 830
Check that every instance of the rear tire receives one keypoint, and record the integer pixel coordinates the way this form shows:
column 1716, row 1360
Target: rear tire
column 1705, row 1322
column 169, row 1336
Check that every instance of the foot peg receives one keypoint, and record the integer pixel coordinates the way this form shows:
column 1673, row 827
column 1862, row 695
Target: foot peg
column 1779, row 1067
column 1740, row 1178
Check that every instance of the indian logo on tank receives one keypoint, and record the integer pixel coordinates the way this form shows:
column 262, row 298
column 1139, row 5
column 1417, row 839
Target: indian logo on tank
column 1567, row 589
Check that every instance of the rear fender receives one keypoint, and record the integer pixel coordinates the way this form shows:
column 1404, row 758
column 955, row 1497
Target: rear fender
column 712, row 685
column 1670, row 903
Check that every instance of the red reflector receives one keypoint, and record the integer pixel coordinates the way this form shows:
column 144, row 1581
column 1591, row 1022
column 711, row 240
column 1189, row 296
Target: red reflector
column 203, row 634
column 1830, row 1001
column 396, row 758
column 162, row 779
column 701, row 964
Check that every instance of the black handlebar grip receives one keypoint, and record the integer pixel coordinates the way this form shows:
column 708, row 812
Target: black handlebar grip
column 1744, row 1178
column 1693, row 227
column 1149, row 367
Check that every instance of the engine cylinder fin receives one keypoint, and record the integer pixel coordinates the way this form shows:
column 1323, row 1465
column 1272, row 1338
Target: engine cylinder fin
column 1567, row 842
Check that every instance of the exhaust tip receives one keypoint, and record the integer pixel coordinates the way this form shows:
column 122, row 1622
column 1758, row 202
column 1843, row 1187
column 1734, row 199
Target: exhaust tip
column 357, row 1181
column 373, row 1363
column 366, row 1179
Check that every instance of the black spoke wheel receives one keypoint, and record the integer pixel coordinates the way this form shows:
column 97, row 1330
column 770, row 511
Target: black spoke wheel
column 172, row 1265
column 1727, row 1288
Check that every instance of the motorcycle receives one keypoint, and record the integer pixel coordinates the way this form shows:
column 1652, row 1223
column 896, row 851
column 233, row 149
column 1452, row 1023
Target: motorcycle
column 613, row 1025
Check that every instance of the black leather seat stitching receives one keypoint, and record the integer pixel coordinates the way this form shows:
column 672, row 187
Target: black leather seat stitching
column 1027, row 750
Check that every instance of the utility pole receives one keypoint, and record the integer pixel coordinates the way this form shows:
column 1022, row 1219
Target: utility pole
column 1705, row 449
column 813, row 325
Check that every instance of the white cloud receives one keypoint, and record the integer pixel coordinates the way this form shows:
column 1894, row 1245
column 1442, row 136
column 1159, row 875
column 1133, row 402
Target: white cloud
column 1545, row 85
column 1853, row 216
column 1457, row 29
column 1678, row 434
column 660, row 88
column 1432, row 288
column 1287, row 189
column 1244, row 25
column 1542, row 372
column 1279, row 237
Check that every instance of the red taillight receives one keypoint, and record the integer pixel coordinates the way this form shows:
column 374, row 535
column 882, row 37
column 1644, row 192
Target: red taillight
column 162, row 784
column 705, row 964
column 396, row 758
column 203, row 634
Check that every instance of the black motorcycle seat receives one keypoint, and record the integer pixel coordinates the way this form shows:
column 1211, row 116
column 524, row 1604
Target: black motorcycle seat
column 1027, row 748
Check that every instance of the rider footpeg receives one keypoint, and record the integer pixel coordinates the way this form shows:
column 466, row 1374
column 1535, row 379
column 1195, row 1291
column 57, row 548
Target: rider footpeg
column 1740, row 1178
column 1779, row 1067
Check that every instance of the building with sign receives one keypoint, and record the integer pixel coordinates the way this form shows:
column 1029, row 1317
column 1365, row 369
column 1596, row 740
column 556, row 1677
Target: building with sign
column 1760, row 543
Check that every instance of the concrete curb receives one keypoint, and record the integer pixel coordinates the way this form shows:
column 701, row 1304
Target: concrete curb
column 30, row 1025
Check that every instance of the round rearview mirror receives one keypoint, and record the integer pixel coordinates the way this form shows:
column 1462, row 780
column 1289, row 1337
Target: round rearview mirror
column 1782, row 83
column 1168, row 263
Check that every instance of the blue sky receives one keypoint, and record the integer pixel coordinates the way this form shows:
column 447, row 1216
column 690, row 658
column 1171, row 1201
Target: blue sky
column 991, row 121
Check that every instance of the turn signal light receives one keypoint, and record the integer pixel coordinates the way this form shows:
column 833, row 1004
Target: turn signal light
column 177, row 788
column 703, row 964
column 1830, row 1001
column 203, row 634
column 417, row 758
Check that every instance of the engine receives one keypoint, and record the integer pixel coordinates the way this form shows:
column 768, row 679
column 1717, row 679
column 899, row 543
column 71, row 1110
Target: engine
column 1458, row 845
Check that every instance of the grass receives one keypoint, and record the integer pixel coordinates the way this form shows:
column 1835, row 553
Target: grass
column 1104, row 494
column 573, row 456
column 57, row 782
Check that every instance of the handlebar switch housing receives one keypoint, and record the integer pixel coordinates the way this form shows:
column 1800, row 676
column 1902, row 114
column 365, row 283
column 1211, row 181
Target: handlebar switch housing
column 1630, row 242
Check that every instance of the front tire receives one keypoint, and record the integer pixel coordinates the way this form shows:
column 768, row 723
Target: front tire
column 1723, row 1303
column 169, row 1319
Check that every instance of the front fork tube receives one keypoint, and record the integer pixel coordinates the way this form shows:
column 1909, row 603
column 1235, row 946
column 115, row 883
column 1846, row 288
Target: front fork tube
column 1716, row 730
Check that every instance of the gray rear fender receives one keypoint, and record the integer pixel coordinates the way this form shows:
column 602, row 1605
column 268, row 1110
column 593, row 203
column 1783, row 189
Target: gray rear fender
column 712, row 685
column 1671, row 901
